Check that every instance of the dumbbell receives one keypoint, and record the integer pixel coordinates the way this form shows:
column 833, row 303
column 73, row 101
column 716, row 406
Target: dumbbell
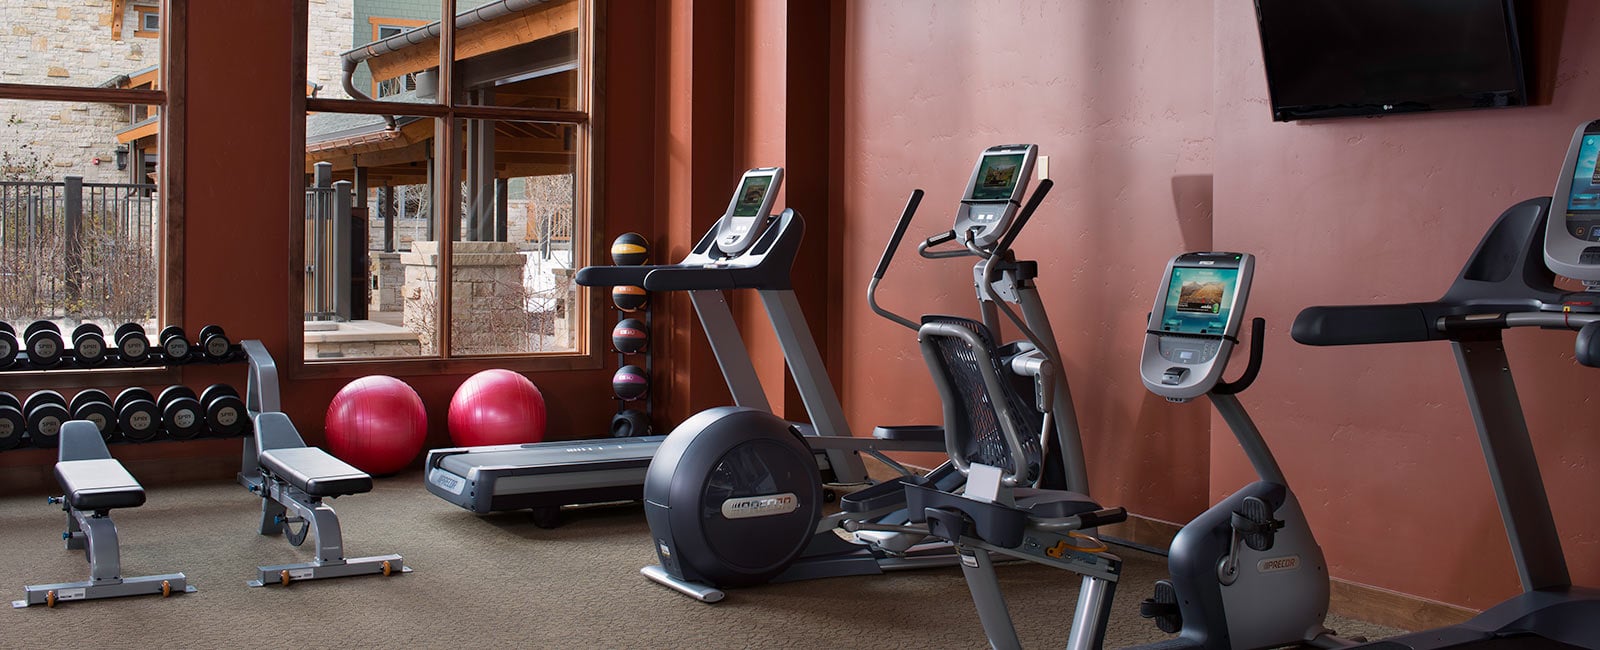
column 43, row 341
column 181, row 415
column 138, row 417
column 214, row 344
column 45, row 411
column 8, row 344
column 94, row 405
column 225, row 412
column 132, row 343
column 174, row 344
column 89, row 344
column 12, row 424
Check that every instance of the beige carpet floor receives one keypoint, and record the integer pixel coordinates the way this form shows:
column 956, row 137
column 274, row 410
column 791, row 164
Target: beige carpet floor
column 492, row 582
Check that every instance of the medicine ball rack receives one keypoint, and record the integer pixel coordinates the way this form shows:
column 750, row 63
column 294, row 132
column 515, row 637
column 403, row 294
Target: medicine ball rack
column 631, row 249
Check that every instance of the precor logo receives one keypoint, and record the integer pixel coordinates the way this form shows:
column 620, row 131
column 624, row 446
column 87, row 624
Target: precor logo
column 761, row 506
column 1274, row 564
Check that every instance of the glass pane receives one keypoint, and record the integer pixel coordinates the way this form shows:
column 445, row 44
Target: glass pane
column 80, row 214
column 519, row 240
column 392, row 59
column 74, row 43
column 527, row 58
column 382, row 306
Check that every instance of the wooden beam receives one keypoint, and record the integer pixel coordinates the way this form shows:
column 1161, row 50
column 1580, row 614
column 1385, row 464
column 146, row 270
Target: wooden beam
column 508, row 144
column 525, row 27
column 118, row 7
column 76, row 94
column 139, row 132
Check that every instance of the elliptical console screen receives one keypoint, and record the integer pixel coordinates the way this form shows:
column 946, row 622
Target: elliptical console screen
column 1199, row 300
column 997, row 177
column 1583, row 201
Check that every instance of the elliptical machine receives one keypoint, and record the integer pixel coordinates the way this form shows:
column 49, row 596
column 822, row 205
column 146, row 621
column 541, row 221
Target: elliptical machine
column 1246, row 573
column 733, row 498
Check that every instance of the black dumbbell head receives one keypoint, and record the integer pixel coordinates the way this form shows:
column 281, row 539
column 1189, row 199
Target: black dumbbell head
column 88, row 395
column 138, row 418
column 132, row 345
column 88, row 344
column 8, row 348
column 181, row 416
column 44, row 346
column 173, row 392
column 40, row 326
column 128, row 328
column 7, row 328
column 101, row 414
column 12, row 427
column 45, row 415
column 225, row 414
column 7, row 399
column 130, row 394
column 214, row 391
column 214, row 342
column 173, row 343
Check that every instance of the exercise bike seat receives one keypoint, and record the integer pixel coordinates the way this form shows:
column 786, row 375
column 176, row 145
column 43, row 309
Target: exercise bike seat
column 315, row 472
column 98, row 484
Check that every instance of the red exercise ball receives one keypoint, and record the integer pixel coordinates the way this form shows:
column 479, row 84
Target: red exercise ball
column 377, row 424
column 496, row 407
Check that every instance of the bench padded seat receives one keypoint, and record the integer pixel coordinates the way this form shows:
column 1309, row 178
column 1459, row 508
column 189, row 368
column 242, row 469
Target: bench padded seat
column 99, row 484
column 315, row 471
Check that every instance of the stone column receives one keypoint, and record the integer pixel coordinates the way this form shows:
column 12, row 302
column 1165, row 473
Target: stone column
column 488, row 301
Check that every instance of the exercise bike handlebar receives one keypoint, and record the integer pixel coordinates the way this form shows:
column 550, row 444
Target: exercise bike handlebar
column 888, row 254
column 1258, row 331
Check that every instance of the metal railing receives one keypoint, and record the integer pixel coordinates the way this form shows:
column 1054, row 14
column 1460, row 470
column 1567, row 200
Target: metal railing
column 328, row 257
column 72, row 248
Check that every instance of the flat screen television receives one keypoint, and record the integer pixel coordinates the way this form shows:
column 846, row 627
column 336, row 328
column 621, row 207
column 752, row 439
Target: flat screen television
column 1336, row 58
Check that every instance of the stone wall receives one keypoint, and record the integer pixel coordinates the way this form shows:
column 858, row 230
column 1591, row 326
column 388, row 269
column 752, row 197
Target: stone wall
column 387, row 277
column 327, row 37
column 488, row 300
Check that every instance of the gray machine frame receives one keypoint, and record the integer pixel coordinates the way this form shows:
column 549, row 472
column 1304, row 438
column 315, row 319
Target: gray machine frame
column 999, row 281
column 1230, row 594
column 95, row 534
column 279, row 498
column 1502, row 286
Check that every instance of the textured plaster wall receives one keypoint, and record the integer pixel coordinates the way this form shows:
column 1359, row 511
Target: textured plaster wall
column 1118, row 95
column 1377, row 440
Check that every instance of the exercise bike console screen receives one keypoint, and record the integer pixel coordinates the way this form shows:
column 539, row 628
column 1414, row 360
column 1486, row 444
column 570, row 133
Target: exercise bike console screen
column 1196, row 316
column 994, row 193
column 1572, row 232
column 1199, row 300
column 751, row 205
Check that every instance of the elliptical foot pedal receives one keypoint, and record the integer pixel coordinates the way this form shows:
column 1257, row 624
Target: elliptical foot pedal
column 1163, row 607
column 1253, row 520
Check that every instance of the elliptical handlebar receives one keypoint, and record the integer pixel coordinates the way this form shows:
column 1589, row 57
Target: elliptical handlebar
column 888, row 254
column 1000, row 252
column 1258, row 331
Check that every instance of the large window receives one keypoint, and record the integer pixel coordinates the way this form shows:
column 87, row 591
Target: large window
column 88, row 145
column 446, row 180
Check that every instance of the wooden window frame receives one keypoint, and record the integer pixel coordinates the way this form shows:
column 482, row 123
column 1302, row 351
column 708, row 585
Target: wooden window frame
column 138, row 29
column 168, row 97
column 447, row 180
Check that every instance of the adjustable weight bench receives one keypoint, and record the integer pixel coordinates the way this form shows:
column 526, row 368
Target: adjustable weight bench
column 95, row 483
column 290, row 476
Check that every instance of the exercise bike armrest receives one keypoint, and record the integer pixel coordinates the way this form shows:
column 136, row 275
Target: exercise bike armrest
column 873, row 444
column 911, row 432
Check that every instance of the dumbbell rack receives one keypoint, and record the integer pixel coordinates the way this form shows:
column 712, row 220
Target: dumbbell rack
column 47, row 409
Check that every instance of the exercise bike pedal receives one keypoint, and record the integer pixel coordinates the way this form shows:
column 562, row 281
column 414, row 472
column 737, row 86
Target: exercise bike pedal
column 1253, row 521
column 1163, row 608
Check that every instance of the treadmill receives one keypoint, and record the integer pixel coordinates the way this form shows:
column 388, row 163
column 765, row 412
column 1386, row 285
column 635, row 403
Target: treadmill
column 746, row 249
column 1508, row 282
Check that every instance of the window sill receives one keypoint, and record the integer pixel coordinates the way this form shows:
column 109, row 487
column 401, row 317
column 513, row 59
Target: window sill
column 396, row 367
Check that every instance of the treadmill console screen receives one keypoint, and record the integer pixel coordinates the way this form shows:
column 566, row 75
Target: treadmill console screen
column 1583, row 201
column 748, row 209
column 752, row 193
column 997, row 177
column 1200, row 300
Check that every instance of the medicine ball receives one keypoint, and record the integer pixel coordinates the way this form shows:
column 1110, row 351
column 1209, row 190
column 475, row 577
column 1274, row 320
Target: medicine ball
column 630, row 249
column 629, row 336
column 630, row 383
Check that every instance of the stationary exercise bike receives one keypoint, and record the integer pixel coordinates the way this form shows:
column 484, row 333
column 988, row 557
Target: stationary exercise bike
column 1246, row 573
